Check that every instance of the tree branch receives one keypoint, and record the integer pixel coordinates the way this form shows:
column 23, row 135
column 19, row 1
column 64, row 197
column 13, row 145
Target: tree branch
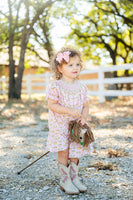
column 39, row 12
column 38, row 36
column 120, row 40
column 128, row 21
column 17, row 15
column 4, row 14
column 37, row 54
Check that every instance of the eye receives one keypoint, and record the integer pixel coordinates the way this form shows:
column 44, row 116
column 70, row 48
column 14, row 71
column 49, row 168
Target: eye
column 78, row 65
column 70, row 65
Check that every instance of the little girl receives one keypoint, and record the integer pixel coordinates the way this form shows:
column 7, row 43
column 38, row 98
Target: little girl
column 67, row 100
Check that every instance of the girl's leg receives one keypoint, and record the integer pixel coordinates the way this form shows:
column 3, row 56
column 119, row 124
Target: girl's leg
column 74, row 160
column 64, row 173
column 63, row 157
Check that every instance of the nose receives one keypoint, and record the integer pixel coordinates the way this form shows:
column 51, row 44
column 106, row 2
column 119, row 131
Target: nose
column 76, row 66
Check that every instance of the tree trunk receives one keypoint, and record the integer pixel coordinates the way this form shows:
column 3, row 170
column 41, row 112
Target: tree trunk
column 20, row 72
column 11, row 89
column 115, row 72
column 15, row 85
column 128, row 85
column 18, row 85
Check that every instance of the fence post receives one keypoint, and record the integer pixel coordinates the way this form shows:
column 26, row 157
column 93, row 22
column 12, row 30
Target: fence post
column 47, row 76
column 101, row 85
column 28, row 85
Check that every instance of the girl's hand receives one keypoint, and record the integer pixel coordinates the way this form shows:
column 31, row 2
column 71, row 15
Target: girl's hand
column 75, row 113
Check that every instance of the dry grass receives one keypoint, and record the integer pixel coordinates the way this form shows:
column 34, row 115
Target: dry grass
column 104, row 166
column 116, row 153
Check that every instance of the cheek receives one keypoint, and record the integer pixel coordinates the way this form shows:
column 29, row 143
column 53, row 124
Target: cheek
column 60, row 69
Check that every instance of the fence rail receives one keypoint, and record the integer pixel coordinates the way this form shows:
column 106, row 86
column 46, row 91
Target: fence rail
column 101, row 81
column 37, row 83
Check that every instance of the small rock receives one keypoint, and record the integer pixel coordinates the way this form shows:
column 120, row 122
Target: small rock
column 27, row 198
column 45, row 188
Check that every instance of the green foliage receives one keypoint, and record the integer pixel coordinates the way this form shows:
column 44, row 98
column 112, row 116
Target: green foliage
column 122, row 72
column 103, row 30
column 4, row 34
column 27, row 64
column 107, row 27
column 40, row 70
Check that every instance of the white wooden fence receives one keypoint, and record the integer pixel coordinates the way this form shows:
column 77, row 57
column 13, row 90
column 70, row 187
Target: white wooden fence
column 101, row 81
column 31, row 83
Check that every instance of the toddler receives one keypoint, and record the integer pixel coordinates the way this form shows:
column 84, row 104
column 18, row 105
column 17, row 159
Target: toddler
column 67, row 100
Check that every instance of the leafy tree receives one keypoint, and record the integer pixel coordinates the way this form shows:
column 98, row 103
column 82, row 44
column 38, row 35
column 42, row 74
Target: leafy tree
column 21, row 21
column 105, row 30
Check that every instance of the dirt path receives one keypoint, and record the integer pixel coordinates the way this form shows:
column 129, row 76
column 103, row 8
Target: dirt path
column 107, row 172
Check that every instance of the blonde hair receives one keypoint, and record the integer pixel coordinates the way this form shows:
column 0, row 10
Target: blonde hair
column 56, row 64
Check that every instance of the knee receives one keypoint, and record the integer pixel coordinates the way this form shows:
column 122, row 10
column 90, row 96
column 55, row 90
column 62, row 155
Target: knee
column 64, row 153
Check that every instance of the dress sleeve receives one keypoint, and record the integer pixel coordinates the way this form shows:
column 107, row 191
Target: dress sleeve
column 52, row 91
column 85, row 94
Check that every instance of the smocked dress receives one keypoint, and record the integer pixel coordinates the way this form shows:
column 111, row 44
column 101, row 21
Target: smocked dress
column 68, row 95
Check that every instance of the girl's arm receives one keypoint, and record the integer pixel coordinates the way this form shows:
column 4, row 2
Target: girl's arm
column 84, row 114
column 55, row 107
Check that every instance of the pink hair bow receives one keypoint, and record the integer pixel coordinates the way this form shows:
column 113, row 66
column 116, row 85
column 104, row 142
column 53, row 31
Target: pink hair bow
column 64, row 55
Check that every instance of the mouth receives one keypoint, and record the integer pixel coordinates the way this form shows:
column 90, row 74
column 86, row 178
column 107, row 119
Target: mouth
column 75, row 72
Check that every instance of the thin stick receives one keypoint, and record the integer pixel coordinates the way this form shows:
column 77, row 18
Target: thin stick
column 32, row 162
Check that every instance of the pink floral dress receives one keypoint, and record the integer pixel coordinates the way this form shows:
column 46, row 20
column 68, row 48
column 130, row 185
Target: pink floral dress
column 68, row 95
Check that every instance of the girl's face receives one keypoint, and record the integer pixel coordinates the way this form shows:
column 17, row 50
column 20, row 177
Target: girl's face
column 71, row 70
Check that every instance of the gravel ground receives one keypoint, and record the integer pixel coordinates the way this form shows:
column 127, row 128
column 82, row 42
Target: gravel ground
column 108, row 171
